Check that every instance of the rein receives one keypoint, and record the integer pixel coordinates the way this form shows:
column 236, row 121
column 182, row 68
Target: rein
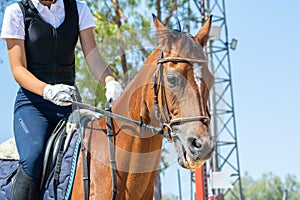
column 140, row 124
column 110, row 135
column 160, row 85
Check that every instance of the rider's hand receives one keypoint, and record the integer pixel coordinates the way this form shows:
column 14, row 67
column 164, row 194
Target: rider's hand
column 113, row 90
column 59, row 94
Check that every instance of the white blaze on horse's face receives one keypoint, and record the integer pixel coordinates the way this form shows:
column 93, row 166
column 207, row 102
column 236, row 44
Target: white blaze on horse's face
column 197, row 73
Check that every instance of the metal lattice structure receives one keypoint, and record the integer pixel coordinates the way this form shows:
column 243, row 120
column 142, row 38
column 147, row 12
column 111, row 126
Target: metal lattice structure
column 226, row 157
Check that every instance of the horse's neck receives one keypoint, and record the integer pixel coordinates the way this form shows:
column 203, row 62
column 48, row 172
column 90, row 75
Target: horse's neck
column 137, row 98
column 136, row 103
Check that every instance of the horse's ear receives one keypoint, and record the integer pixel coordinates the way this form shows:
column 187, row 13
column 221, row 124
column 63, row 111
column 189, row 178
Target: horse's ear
column 203, row 34
column 157, row 23
column 162, row 31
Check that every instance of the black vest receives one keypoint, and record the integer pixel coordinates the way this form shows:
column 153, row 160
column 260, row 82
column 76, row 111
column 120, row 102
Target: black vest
column 50, row 51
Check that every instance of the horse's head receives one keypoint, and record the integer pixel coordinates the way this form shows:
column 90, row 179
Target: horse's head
column 182, row 82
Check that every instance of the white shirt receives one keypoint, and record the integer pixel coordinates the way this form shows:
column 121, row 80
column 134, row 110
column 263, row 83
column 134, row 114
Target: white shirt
column 13, row 20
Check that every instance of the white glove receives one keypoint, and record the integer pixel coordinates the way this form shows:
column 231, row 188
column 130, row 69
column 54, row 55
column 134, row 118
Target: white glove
column 113, row 90
column 59, row 94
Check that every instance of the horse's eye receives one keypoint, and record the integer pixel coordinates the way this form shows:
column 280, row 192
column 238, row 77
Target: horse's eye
column 172, row 80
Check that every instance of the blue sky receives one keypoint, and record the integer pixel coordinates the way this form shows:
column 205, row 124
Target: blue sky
column 266, row 80
column 265, row 71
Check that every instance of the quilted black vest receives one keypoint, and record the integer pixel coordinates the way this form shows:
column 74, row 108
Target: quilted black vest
column 50, row 51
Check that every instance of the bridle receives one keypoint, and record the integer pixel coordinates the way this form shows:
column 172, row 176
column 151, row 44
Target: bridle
column 158, row 83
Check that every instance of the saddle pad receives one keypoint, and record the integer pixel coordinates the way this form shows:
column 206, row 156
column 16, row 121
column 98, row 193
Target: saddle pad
column 53, row 190
column 7, row 170
column 61, row 189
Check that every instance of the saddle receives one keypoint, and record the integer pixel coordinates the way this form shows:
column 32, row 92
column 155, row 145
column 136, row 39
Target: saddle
column 54, row 150
column 60, row 140
column 59, row 161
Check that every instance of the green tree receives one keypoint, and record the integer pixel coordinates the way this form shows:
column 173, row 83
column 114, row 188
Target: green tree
column 170, row 197
column 112, row 19
column 120, row 32
column 269, row 186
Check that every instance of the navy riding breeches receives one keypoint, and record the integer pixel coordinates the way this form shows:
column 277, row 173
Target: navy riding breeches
column 34, row 121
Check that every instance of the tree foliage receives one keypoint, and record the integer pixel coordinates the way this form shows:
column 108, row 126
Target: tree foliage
column 269, row 186
column 112, row 19
column 117, row 18
column 170, row 197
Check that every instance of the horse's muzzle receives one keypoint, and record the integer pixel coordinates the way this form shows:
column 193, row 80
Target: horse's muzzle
column 194, row 152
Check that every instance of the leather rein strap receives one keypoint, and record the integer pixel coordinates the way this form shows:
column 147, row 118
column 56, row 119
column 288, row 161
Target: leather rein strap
column 85, row 174
column 110, row 136
column 158, row 83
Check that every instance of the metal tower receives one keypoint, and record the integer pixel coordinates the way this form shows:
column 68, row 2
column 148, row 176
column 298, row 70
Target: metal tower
column 226, row 156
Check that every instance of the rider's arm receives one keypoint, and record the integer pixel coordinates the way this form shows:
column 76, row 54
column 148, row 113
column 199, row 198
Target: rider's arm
column 13, row 31
column 96, row 64
column 17, row 58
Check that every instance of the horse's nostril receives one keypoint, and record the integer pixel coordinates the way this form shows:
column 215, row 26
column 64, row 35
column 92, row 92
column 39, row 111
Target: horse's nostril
column 196, row 144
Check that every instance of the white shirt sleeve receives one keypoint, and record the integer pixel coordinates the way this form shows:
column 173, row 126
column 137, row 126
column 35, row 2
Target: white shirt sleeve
column 86, row 19
column 13, row 23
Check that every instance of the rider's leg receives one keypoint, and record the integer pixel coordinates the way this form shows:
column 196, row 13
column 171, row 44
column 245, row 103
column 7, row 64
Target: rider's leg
column 33, row 125
column 24, row 187
column 31, row 130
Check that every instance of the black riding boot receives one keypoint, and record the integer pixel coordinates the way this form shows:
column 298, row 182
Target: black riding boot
column 24, row 187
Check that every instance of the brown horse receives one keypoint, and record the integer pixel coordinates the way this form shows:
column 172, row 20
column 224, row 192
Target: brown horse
column 171, row 91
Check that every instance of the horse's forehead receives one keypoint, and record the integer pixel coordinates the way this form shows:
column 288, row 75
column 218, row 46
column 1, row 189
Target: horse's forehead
column 185, row 46
column 182, row 45
column 187, row 50
column 195, row 72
